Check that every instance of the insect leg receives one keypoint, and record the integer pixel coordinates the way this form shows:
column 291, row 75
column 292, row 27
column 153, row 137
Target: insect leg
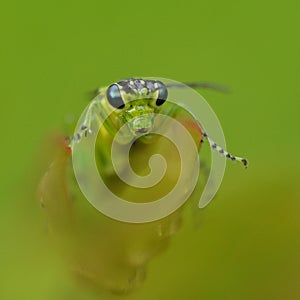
column 91, row 113
column 226, row 154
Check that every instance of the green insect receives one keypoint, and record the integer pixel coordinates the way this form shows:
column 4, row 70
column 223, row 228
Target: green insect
column 107, row 250
column 135, row 104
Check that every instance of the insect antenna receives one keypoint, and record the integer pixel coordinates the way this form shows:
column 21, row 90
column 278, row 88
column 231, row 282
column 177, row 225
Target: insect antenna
column 201, row 85
column 91, row 94
column 223, row 152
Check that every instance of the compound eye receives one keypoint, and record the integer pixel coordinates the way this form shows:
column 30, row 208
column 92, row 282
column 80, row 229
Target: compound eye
column 162, row 93
column 114, row 96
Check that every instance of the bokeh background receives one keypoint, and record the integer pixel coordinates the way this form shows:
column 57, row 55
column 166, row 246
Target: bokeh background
column 53, row 53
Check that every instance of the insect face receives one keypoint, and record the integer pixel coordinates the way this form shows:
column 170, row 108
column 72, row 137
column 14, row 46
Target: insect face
column 136, row 102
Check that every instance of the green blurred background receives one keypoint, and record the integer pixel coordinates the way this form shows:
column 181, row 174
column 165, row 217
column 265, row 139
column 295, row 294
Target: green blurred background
column 54, row 52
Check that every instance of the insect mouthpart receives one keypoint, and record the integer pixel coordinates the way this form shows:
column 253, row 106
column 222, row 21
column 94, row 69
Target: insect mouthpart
column 141, row 125
column 142, row 130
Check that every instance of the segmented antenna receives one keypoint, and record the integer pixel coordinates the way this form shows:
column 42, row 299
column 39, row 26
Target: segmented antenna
column 216, row 147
